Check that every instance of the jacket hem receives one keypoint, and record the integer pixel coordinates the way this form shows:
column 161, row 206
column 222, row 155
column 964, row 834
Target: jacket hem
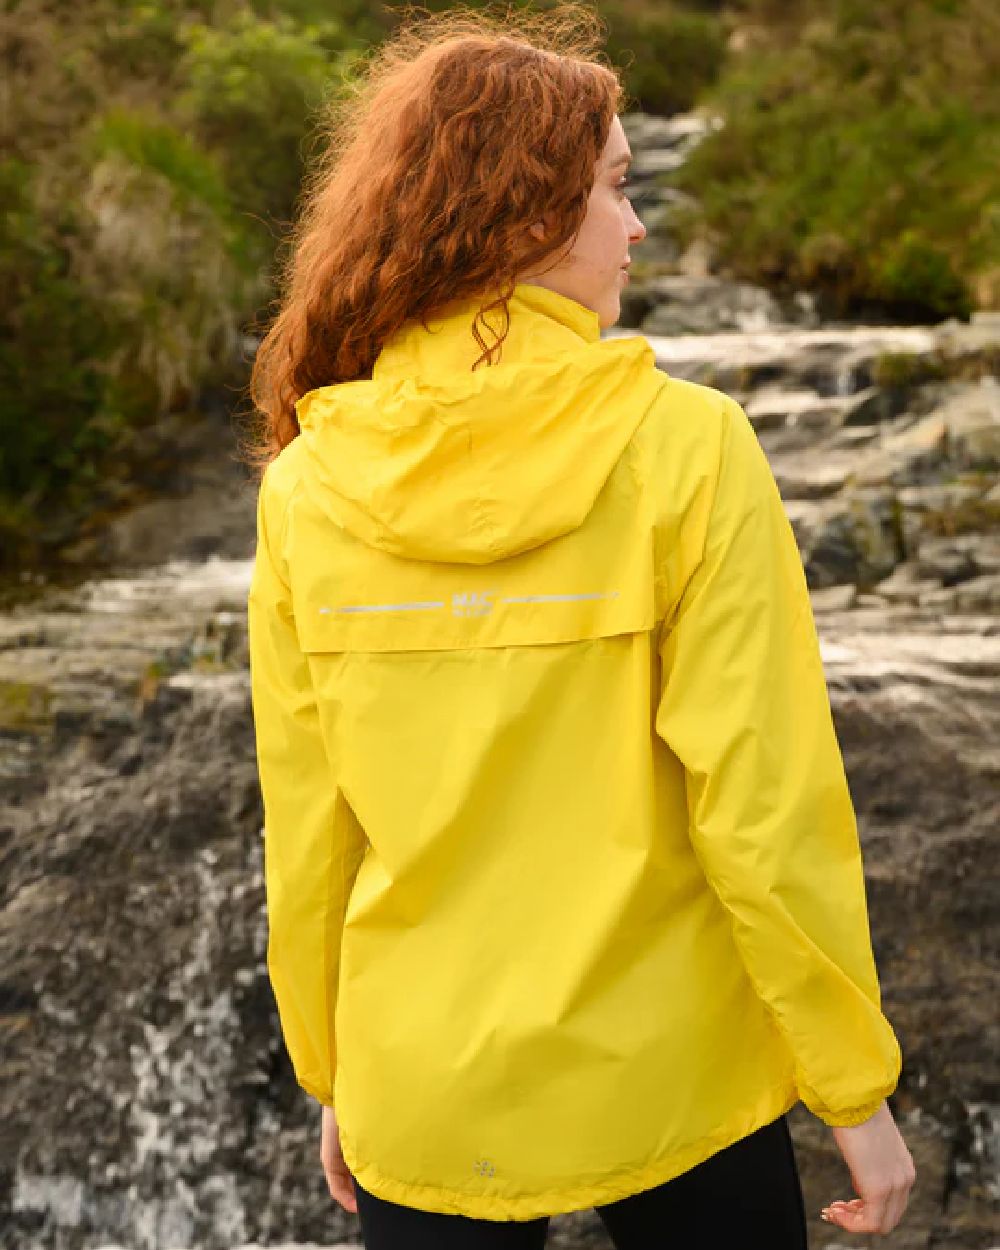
column 776, row 1101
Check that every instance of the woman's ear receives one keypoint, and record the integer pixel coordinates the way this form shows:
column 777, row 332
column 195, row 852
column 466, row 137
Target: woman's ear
column 537, row 228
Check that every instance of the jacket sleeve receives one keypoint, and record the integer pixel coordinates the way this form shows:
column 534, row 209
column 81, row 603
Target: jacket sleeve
column 311, row 839
column 744, row 706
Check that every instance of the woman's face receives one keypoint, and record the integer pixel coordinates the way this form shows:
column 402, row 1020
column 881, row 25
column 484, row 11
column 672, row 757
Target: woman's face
column 593, row 272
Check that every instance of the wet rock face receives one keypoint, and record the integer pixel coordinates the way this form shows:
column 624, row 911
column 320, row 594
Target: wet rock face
column 147, row 1097
column 136, row 1028
column 147, row 1100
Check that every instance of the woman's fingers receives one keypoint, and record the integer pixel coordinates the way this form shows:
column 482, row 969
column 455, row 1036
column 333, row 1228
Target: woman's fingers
column 837, row 1210
column 841, row 1204
column 865, row 1218
column 878, row 1214
column 338, row 1180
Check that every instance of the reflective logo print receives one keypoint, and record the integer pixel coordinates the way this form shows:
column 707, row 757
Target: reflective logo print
column 467, row 603
column 473, row 603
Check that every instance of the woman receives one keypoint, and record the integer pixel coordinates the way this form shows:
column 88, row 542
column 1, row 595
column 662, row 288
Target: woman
column 564, row 887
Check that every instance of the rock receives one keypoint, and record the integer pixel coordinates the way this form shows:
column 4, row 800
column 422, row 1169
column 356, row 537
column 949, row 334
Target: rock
column 211, row 519
column 832, row 598
column 703, row 305
column 978, row 594
column 636, row 303
column 957, row 506
column 953, row 560
column 683, row 131
column 873, row 405
column 660, row 253
column 831, row 362
column 904, row 585
column 697, row 260
column 924, row 435
column 910, row 452
column 655, row 161
column 772, row 407
column 970, row 349
column 972, row 419
column 858, row 541
column 813, row 477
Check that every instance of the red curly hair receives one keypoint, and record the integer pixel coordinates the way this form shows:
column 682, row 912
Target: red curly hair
column 462, row 129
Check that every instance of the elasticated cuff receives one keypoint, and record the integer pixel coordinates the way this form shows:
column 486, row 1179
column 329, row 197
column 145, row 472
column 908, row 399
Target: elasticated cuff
column 845, row 1119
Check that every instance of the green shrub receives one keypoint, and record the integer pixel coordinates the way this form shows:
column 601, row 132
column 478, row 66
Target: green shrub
column 902, row 370
column 252, row 86
column 125, row 279
column 151, row 145
column 141, row 40
column 55, row 335
column 156, row 146
column 670, row 57
column 915, row 275
column 861, row 159
column 357, row 23
column 169, row 255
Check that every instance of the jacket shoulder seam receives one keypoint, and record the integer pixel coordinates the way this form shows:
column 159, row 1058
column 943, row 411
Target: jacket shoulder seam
column 719, row 405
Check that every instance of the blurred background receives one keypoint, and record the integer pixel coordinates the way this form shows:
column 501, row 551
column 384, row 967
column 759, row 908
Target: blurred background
column 821, row 186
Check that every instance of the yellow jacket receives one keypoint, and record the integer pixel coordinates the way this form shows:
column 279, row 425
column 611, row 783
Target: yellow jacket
column 563, row 878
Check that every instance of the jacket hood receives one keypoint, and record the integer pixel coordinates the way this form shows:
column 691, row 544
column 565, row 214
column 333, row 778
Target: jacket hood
column 429, row 460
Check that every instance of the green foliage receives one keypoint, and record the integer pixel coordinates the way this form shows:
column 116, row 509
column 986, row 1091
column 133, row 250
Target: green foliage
column 861, row 159
column 359, row 23
column 142, row 40
column 25, row 707
column 252, row 86
column 915, row 274
column 159, row 148
column 170, row 256
column 54, row 336
column 670, row 56
column 151, row 146
column 154, row 152
column 902, row 370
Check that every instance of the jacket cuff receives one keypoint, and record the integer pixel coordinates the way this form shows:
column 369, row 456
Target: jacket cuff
column 318, row 1092
column 845, row 1119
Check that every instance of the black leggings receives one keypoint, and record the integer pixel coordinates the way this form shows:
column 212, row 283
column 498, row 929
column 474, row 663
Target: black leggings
column 747, row 1194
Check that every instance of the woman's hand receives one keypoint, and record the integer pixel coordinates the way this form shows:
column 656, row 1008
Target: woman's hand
column 882, row 1170
column 338, row 1177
